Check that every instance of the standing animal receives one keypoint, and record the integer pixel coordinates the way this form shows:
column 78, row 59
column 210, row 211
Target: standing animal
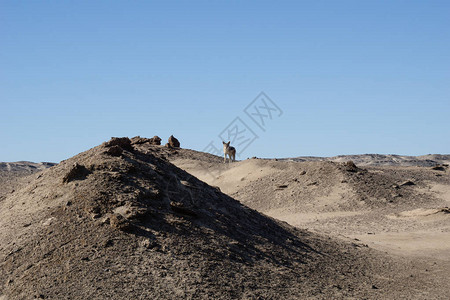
column 230, row 151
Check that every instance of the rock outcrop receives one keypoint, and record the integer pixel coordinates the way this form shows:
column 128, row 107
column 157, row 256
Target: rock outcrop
column 173, row 142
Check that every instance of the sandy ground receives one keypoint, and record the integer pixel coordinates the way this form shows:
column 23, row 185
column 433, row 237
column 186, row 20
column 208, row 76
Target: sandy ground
column 405, row 221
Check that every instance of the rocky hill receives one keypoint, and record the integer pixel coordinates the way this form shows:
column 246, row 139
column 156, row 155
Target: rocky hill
column 116, row 222
column 120, row 221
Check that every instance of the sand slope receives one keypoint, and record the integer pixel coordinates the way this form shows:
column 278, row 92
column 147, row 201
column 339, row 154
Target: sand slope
column 376, row 205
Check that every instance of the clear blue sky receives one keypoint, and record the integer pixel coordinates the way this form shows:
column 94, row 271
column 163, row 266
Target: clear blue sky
column 350, row 76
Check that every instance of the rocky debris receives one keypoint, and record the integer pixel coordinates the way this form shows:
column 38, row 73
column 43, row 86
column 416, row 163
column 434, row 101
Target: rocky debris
column 280, row 187
column 137, row 140
column 350, row 166
column 180, row 208
column 117, row 221
column 114, row 151
column 123, row 142
column 445, row 210
column 407, row 183
column 438, row 168
column 156, row 140
column 76, row 172
column 132, row 212
column 173, row 142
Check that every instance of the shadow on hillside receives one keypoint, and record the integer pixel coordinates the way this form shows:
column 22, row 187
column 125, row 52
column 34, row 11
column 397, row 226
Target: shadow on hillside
column 215, row 224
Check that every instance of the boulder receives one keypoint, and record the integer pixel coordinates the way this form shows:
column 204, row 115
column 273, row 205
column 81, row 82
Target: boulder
column 123, row 142
column 77, row 171
column 114, row 151
column 173, row 142
column 156, row 140
column 350, row 166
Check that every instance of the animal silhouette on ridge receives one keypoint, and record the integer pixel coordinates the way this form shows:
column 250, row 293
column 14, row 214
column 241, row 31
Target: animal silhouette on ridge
column 230, row 151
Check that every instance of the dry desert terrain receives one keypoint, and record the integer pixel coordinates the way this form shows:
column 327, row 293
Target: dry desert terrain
column 132, row 220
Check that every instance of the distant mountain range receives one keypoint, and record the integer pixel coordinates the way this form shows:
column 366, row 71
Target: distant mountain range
column 382, row 159
column 428, row 160
column 25, row 166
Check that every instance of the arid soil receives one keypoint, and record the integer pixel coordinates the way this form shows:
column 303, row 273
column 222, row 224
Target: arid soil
column 123, row 221
column 12, row 174
column 428, row 160
column 402, row 211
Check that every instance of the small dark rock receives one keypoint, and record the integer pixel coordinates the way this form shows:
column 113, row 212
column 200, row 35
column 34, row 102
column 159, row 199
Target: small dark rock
column 76, row 172
column 123, row 142
column 108, row 243
column 114, row 151
column 408, row 182
column 156, row 140
column 149, row 244
column 438, row 168
column 350, row 166
column 181, row 209
column 119, row 222
column 138, row 213
column 173, row 142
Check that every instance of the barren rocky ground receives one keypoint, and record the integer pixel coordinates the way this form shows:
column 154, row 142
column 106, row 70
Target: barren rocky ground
column 402, row 211
column 139, row 221
column 428, row 160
